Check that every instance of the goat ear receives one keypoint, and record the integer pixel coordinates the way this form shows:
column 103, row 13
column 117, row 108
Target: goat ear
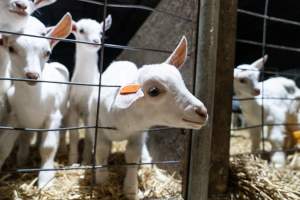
column 74, row 27
column 260, row 62
column 62, row 30
column 179, row 56
column 41, row 3
column 128, row 95
column 108, row 22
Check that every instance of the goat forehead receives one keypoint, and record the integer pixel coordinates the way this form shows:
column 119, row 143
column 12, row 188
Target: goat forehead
column 37, row 28
column 34, row 27
column 33, row 44
column 5, row 2
column 89, row 25
column 165, row 73
column 246, row 71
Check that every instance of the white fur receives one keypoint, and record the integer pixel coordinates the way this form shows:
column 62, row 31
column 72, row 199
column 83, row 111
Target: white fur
column 35, row 106
column 247, row 85
column 133, row 113
column 86, row 71
column 13, row 18
column 12, row 21
column 4, row 84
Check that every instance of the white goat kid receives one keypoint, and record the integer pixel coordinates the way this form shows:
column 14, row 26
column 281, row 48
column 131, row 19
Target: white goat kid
column 13, row 17
column 36, row 105
column 247, row 85
column 86, row 71
column 15, row 13
column 149, row 96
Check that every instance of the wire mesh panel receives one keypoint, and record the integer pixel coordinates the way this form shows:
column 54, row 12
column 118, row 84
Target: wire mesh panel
column 87, row 173
column 266, row 88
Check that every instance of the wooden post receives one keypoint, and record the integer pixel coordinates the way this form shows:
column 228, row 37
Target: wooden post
column 223, row 100
column 209, row 158
column 205, row 76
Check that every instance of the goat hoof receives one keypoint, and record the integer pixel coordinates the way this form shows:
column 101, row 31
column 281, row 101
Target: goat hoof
column 73, row 160
column 46, row 179
column 132, row 196
column 101, row 177
column 133, row 193
column 278, row 159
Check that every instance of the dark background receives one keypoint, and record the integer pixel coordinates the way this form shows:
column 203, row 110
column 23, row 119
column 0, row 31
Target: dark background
column 251, row 28
column 125, row 24
column 127, row 21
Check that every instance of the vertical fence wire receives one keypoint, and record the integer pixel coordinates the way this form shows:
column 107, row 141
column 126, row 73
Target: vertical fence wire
column 94, row 167
column 264, row 73
column 264, row 41
column 102, row 54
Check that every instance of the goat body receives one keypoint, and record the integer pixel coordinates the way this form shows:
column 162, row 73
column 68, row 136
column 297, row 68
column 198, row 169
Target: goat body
column 36, row 105
column 272, row 97
column 162, row 99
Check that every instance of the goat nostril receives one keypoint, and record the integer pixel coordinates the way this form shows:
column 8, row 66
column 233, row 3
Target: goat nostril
column 202, row 112
column 33, row 76
column 20, row 6
column 96, row 41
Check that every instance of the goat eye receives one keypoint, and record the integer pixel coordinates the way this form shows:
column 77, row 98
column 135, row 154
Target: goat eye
column 242, row 80
column 11, row 50
column 153, row 92
column 81, row 31
column 47, row 54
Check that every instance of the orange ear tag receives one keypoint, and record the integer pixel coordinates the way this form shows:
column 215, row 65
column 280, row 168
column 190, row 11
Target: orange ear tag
column 296, row 135
column 130, row 89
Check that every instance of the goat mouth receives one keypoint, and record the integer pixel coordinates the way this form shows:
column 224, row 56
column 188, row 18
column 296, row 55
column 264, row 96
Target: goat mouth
column 21, row 13
column 198, row 123
column 31, row 83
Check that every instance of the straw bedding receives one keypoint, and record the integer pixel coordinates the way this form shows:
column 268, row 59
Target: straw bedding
column 252, row 178
column 154, row 183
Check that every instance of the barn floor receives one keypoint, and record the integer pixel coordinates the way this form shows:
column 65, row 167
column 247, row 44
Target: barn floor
column 154, row 183
column 254, row 178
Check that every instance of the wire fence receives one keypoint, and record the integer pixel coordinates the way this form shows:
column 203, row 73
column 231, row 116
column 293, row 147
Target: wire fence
column 263, row 98
column 93, row 167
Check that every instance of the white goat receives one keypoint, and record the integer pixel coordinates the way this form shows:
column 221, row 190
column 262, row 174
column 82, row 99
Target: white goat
column 247, row 85
column 149, row 96
column 13, row 17
column 85, row 71
column 15, row 13
column 4, row 84
column 36, row 105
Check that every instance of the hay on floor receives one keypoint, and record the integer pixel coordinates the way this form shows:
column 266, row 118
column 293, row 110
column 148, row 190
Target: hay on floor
column 253, row 178
column 154, row 183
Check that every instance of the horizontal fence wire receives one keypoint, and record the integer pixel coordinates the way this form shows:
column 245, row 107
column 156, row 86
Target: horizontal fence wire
column 266, row 98
column 140, row 7
column 11, row 128
column 263, row 125
column 107, row 45
column 32, row 170
column 270, row 72
column 270, row 18
column 59, row 82
column 273, row 46
column 264, row 45
column 258, row 153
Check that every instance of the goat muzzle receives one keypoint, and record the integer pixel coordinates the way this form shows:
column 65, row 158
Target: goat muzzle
column 32, row 76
